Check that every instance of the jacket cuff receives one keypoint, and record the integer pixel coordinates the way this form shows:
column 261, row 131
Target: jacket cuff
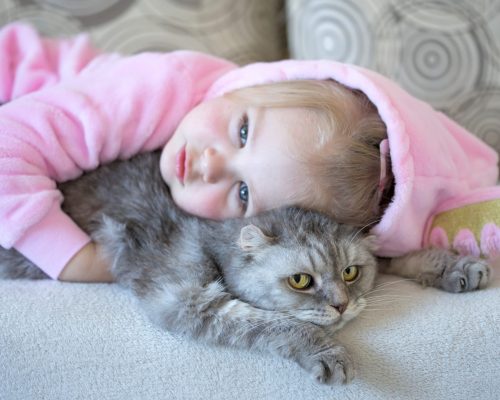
column 52, row 242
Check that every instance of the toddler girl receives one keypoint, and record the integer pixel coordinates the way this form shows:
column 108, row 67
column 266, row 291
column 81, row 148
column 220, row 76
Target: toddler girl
column 236, row 141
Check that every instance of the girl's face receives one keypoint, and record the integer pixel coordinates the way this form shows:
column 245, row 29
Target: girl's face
column 227, row 159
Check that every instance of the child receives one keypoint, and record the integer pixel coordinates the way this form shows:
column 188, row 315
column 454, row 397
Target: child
column 226, row 152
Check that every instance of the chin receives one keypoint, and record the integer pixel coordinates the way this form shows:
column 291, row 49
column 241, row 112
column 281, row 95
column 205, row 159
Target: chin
column 328, row 316
column 325, row 316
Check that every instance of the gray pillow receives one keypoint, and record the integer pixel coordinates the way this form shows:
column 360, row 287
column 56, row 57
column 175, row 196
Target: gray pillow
column 446, row 52
column 242, row 31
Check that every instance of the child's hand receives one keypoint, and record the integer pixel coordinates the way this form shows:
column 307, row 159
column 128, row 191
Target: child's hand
column 87, row 266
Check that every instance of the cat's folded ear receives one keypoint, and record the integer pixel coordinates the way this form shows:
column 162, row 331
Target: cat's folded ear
column 371, row 242
column 252, row 237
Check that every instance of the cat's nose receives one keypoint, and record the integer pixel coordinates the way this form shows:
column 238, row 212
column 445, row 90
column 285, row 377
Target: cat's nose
column 340, row 307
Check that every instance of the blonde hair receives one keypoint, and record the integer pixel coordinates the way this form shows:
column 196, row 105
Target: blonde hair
column 345, row 162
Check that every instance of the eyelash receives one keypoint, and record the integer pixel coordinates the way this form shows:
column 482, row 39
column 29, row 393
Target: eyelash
column 243, row 190
column 242, row 186
column 243, row 124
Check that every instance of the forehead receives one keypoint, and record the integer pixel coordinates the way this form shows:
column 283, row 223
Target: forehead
column 282, row 139
column 289, row 124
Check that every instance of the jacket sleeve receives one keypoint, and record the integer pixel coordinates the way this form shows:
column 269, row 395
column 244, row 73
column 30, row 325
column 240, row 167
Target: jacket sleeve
column 114, row 108
column 30, row 62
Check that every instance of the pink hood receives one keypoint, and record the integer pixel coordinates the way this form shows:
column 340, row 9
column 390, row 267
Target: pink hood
column 433, row 158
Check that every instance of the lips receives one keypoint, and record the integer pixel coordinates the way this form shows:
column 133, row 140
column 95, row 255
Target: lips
column 180, row 164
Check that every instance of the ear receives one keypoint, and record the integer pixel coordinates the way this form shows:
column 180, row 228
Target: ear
column 371, row 242
column 252, row 237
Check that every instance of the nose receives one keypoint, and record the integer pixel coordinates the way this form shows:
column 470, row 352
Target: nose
column 213, row 165
column 340, row 307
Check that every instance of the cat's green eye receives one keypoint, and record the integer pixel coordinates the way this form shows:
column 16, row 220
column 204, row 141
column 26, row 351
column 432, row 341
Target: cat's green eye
column 300, row 281
column 350, row 273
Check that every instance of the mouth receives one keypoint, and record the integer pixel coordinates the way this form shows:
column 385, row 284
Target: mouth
column 180, row 164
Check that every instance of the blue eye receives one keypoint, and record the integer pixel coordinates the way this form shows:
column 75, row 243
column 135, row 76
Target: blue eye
column 243, row 194
column 243, row 130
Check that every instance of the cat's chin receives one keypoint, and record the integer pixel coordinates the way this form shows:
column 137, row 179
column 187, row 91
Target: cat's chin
column 329, row 316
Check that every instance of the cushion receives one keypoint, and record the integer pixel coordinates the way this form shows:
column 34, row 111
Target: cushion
column 82, row 341
column 444, row 52
column 242, row 31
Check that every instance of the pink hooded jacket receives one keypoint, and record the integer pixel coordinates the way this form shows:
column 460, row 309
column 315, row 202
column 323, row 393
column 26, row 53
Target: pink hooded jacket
column 94, row 109
column 434, row 160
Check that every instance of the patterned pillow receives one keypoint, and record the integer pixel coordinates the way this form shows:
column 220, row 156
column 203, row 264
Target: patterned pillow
column 446, row 52
column 242, row 31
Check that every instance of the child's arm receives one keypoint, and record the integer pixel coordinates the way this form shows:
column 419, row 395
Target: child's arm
column 87, row 266
column 115, row 108
column 30, row 62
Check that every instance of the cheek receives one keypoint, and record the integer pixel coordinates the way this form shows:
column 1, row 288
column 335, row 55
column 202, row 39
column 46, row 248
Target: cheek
column 167, row 166
column 205, row 204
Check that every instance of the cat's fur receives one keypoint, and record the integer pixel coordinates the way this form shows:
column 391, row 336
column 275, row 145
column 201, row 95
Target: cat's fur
column 222, row 283
column 226, row 283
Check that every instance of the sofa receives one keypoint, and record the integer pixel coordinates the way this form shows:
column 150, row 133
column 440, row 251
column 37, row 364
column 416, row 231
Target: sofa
column 91, row 341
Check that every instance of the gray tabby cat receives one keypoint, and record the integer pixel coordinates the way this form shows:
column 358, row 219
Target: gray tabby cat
column 281, row 282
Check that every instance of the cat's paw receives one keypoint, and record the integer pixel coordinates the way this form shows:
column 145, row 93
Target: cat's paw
column 331, row 365
column 463, row 274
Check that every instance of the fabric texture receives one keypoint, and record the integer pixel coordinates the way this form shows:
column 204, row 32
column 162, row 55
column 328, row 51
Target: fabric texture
column 240, row 31
column 470, row 224
column 444, row 52
column 64, row 341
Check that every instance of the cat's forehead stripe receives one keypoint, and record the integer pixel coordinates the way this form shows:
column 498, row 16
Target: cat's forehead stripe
column 311, row 260
column 318, row 249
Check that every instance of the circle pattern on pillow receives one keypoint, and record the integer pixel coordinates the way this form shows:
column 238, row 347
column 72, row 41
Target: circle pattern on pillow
column 446, row 52
column 242, row 31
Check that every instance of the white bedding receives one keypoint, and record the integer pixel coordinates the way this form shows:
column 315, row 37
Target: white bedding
column 81, row 341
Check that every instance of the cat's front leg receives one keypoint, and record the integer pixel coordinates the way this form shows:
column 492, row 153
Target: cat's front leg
column 331, row 364
column 212, row 315
column 441, row 268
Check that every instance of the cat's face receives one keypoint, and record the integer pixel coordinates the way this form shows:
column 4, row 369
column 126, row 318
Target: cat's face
column 308, row 266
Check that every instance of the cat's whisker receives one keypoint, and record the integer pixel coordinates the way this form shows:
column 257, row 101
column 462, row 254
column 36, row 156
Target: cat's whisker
column 382, row 295
column 362, row 229
column 380, row 307
column 256, row 323
column 383, row 286
column 388, row 296
column 372, row 316
column 382, row 298
column 382, row 304
column 387, row 300
column 385, row 292
column 369, row 316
